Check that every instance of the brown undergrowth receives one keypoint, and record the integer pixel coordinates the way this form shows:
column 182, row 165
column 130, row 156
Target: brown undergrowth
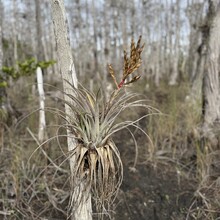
column 40, row 189
column 167, row 175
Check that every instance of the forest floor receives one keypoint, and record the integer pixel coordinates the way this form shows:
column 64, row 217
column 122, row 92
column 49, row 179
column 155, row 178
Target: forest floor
column 148, row 192
column 155, row 193
column 162, row 188
column 160, row 176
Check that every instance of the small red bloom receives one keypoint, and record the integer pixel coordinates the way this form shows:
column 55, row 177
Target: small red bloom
column 121, row 84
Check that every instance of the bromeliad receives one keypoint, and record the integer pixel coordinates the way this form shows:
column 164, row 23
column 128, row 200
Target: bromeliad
column 96, row 120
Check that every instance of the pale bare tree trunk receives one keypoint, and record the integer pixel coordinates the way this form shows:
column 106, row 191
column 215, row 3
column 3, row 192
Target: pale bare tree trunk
column 211, row 90
column 2, row 90
column 169, row 37
column 52, row 43
column 175, row 70
column 40, row 53
column 107, row 43
column 14, row 30
column 39, row 74
column 30, row 38
column 83, row 209
column 42, row 118
column 95, row 51
column 114, row 30
column 145, row 33
column 1, row 37
column 157, row 52
column 124, row 27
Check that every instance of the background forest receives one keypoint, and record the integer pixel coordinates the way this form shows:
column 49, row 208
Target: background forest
column 174, row 173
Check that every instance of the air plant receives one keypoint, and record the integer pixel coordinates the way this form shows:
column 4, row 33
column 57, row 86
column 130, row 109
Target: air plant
column 96, row 155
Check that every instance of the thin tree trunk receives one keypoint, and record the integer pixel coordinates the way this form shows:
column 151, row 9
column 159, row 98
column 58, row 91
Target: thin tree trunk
column 14, row 30
column 83, row 209
column 157, row 48
column 2, row 90
column 1, row 37
column 30, row 38
column 42, row 119
column 95, row 52
column 169, row 38
column 175, row 70
column 39, row 74
column 40, row 52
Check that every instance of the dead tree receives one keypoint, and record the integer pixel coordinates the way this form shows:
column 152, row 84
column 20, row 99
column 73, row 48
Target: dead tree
column 211, row 90
column 83, row 209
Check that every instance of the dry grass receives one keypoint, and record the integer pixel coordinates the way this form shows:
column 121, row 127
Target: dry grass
column 177, row 141
column 36, row 185
column 40, row 187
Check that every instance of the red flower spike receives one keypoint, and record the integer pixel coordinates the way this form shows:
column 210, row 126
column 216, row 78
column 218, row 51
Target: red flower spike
column 121, row 84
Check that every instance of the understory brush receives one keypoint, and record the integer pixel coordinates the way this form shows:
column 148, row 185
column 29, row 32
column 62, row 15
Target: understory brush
column 177, row 141
column 36, row 185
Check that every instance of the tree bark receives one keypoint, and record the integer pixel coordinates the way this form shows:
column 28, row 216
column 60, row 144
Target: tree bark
column 40, row 52
column 175, row 70
column 194, row 14
column 197, row 49
column 211, row 90
column 83, row 209
column 1, row 37
column 42, row 118
column 39, row 74
column 2, row 90
column 14, row 30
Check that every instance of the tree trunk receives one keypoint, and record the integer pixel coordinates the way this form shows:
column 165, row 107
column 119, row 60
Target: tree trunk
column 95, row 51
column 194, row 13
column 211, row 90
column 39, row 74
column 1, row 37
column 42, row 118
column 2, row 89
column 197, row 49
column 175, row 70
column 83, row 209
column 40, row 52
column 14, row 30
